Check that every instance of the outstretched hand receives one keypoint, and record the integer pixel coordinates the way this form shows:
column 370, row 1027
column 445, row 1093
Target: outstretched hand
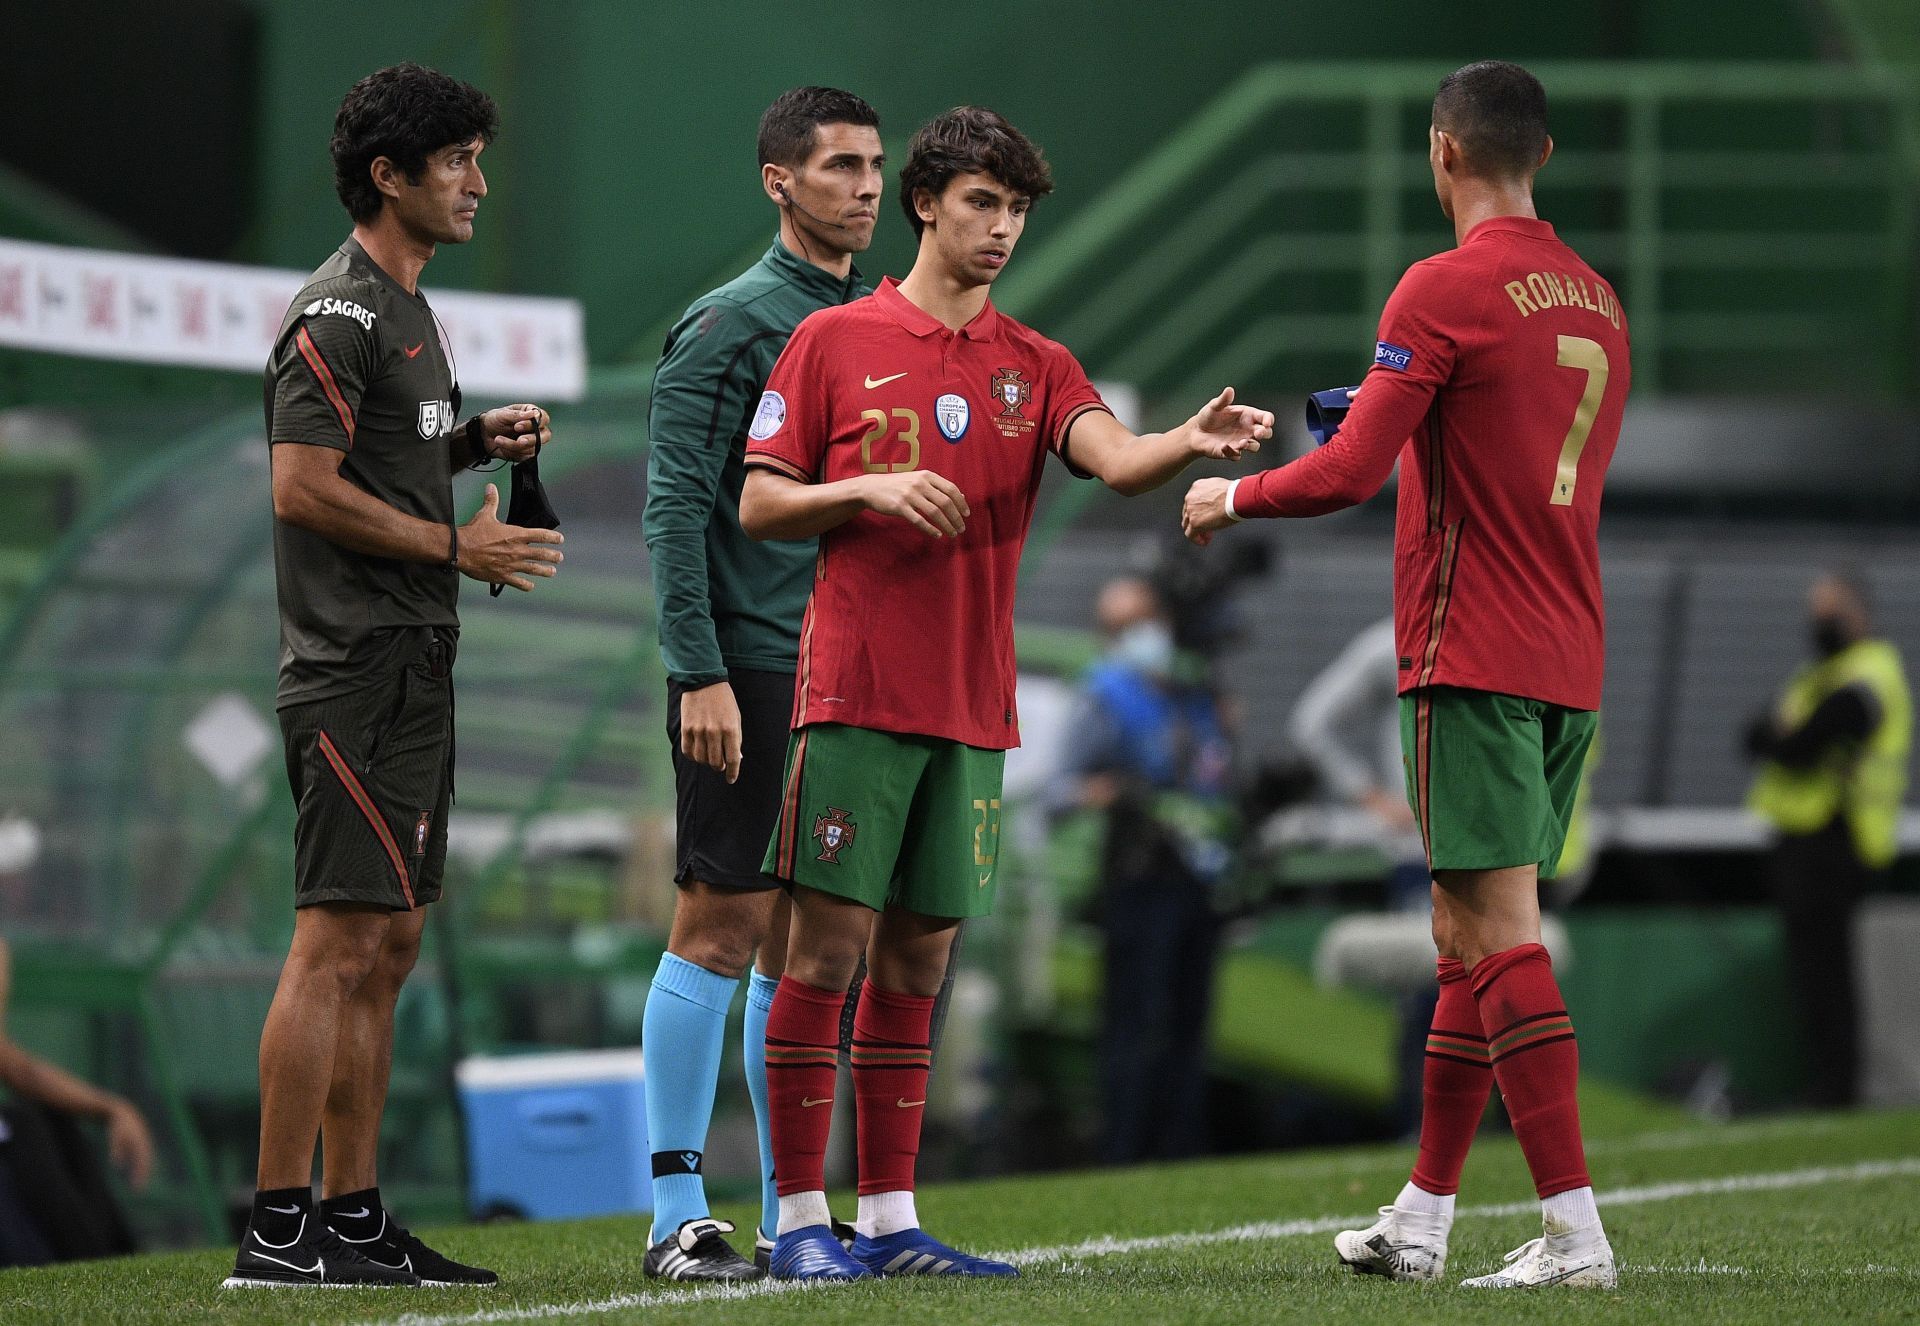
column 506, row 554
column 1225, row 431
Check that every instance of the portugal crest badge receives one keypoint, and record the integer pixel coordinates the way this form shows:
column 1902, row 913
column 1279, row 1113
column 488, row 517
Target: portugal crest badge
column 1012, row 390
column 1014, row 393
column 835, row 833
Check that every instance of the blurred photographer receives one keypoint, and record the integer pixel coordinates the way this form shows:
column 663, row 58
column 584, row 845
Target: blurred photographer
column 1149, row 749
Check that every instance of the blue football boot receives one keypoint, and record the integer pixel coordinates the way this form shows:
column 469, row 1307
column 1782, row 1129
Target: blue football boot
column 813, row 1253
column 914, row 1252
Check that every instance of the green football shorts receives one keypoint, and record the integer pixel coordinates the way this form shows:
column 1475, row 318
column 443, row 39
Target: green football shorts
column 1492, row 778
column 890, row 820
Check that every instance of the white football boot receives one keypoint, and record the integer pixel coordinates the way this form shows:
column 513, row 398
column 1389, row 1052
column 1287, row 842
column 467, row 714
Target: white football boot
column 1579, row 1259
column 1401, row 1245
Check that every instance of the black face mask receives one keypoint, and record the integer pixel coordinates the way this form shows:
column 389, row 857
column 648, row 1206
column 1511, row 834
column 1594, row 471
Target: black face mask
column 1829, row 636
column 527, row 505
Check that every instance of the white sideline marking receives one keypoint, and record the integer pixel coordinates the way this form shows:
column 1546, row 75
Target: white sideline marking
column 1686, row 1139
column 1262, row 1231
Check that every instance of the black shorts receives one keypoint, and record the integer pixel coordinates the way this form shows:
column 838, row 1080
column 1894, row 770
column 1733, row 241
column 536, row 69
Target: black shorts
column 372, row 777
column 721, row 829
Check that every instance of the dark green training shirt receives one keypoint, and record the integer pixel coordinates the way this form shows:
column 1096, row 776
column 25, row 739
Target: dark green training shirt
column 360, row 366
column 725, row 601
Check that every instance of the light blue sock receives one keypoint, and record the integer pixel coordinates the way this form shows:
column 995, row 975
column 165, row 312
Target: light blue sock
column 680, row 1039
column 753, row 1048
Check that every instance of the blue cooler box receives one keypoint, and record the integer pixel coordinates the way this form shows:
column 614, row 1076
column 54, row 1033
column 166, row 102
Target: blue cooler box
column 556, row 1136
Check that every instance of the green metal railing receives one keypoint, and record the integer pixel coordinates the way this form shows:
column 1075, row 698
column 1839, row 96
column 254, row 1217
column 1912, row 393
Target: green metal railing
column 1686, row 184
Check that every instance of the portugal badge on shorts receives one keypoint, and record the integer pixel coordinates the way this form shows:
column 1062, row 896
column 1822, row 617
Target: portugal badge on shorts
column 951, row 413
column 835, row 832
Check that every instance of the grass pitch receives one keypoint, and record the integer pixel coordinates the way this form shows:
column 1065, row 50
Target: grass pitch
column 1813, row 1219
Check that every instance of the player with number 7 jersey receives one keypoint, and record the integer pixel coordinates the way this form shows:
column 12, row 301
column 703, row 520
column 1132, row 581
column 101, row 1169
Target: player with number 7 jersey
column 1499, row 379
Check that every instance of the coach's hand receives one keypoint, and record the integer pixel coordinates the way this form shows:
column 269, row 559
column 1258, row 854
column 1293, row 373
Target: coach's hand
column 506, row 554
column 515, row 432
column 710, row 728
column 1205, row 510
column 1225, row 431
column 925, row 500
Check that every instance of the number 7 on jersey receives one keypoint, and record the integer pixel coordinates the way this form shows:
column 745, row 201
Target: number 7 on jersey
column 1579, row 352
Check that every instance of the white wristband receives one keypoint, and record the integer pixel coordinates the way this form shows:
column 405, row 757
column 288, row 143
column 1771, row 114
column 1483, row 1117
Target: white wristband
column 1231, row 513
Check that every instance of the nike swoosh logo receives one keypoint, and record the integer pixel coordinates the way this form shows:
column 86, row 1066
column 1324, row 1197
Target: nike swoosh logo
column 908, row 1104
column 284, row 1210
column 404, row 1264
column 881, row 382
column 807, row 1103
column 986, row 879
column 314, row 1269
column 412, row 350
column 361, row 1214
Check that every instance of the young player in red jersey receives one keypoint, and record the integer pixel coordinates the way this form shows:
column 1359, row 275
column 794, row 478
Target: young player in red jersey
column 909, row 431
column 1499, row 376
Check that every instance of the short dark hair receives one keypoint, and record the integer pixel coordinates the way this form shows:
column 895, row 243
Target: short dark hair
column 1498, row 111
column 970, row 140
column 788, row 126
column 405, row 112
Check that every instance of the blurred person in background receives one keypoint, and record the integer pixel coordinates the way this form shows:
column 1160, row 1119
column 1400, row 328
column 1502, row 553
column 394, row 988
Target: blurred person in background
column 1358, row 693
column 1833, row 769
column 729, row 624
column 1346, row 724
column 1499, row 379
column 361, row 402
column 55, row 1203
column 1149, row 750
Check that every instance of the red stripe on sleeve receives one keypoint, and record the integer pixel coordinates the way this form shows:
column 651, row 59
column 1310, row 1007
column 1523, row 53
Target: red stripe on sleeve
column 317, row 362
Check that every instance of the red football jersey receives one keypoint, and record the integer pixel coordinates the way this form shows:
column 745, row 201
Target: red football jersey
column 906, row 632
column 1500, row 375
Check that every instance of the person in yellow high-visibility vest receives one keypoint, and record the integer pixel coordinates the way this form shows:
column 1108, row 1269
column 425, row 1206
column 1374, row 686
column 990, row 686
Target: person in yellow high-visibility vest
column 1833, row 767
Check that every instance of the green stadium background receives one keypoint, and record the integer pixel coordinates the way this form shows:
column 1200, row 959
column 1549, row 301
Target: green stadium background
column 1239, row 185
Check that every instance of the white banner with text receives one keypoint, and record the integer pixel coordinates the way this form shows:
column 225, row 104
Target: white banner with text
column 216, row 315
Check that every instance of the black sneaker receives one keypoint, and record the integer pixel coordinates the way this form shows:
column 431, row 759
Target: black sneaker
column 763, row 1246
column 315, row 1257
column 397, row 1249
column 697, row 1252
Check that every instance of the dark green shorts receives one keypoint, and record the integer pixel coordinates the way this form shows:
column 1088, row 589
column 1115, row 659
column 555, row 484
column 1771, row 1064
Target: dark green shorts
column 1492, row 778
column 890, row 820
column 372, row 777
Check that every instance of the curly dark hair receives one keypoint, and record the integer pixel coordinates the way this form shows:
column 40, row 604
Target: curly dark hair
column 970, row 140
column 405, row 113
column 788, row 127
column 1498, row 111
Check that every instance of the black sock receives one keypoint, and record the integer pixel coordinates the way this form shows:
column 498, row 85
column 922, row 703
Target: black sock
column 357, row 1216
column 280, row 1215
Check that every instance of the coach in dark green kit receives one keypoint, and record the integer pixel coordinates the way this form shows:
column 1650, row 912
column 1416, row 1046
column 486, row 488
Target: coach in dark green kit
column 361, row 407
column 730, row 611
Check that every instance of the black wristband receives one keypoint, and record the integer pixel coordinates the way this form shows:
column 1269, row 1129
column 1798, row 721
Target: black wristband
column 453, row 546
column 477, row 441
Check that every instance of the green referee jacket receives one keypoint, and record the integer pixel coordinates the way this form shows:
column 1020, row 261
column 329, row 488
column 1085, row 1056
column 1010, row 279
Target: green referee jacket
column 725, row 601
